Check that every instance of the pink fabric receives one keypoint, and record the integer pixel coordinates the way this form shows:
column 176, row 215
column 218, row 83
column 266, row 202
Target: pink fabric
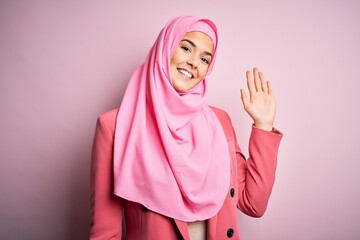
column 251, row 180
column 170, row 153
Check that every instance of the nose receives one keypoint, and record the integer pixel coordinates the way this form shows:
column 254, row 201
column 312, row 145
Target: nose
column 193, row 62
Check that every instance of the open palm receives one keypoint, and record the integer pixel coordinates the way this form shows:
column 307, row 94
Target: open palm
column 261, row 106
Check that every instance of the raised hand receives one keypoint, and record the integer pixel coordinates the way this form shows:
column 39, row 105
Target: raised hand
column 261, row 106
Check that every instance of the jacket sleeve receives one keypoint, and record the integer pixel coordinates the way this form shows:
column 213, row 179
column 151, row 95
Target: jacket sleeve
column 256, row 175
column 106, row 208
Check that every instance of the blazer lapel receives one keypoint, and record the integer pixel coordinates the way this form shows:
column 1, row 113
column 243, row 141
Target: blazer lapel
column 211, row 227
column 183, row 228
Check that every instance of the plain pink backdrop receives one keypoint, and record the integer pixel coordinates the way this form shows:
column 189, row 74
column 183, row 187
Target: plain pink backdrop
column 64, row 62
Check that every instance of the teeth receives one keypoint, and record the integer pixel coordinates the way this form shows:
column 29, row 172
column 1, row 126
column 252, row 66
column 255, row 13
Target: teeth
column 186, row 73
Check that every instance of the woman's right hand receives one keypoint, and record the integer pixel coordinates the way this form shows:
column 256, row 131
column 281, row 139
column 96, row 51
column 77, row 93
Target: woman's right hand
column 261, row 106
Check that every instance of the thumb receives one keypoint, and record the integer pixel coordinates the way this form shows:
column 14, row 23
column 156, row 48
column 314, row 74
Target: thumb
column 244, row 98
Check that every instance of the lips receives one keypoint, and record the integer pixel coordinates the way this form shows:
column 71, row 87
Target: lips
column 185, row 73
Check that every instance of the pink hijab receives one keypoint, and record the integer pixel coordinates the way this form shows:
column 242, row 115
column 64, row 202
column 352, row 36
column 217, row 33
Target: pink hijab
column 170, row 152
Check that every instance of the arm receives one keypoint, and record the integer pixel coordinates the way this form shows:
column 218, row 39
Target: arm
column 256, row 176
column 106, row 208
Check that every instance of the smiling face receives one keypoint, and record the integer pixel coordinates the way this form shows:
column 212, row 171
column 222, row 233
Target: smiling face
column 191, row 60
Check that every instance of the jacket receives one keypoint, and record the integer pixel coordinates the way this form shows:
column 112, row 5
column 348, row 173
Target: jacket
column 250, row 187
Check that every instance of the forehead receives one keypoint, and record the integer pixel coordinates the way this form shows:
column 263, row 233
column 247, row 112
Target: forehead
column 202, row 41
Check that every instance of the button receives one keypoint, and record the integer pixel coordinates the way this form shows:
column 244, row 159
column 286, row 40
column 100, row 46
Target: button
column 232, row 192
column 230, row 232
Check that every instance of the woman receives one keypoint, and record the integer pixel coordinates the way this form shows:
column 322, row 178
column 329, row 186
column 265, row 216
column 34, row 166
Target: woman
column 167, row 166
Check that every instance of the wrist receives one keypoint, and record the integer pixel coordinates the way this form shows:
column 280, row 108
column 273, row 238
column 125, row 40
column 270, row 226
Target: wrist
column 266, row 127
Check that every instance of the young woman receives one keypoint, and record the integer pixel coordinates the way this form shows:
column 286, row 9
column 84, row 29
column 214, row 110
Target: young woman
column 167, row 166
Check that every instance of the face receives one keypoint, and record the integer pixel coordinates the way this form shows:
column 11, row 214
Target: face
column 191, row 60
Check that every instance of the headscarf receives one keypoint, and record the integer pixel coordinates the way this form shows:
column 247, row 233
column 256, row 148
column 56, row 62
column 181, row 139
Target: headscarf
column 170, row 152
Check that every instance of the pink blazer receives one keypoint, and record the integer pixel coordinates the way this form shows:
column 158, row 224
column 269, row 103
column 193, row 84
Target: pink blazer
column 250, row 187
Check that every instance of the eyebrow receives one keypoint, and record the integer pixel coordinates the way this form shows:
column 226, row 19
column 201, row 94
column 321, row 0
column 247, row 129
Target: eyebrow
column 194, row 45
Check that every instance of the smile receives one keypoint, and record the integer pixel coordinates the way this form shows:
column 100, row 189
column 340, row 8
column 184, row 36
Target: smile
column 185, row 73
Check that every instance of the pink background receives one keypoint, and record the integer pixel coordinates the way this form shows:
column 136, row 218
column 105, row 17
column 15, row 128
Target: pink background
column 64, row 62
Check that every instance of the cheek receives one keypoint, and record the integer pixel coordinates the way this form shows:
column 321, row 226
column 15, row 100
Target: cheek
column 204, row 71
column 176, row 58
column 172, row 61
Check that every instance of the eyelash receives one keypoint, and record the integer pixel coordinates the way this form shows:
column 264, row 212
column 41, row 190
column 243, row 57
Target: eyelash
column 204, row 60
column 185, row 48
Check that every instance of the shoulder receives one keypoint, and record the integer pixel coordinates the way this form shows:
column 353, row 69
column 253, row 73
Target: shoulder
column 224, row 120
column 108, row 120
column 221, row 114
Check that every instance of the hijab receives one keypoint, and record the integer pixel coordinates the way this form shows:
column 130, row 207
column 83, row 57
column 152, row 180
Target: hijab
column 170, row 152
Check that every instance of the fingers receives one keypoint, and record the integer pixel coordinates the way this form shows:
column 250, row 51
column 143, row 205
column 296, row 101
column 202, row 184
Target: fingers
column 250, row 82
column 257, row 80
column 256, row 84
column 269, row 86
column 244, row 98
column 263, row 82
column 259, row 84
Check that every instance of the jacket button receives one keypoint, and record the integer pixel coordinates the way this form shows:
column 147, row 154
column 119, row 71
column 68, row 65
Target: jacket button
column 230, row 232
column 232, row 192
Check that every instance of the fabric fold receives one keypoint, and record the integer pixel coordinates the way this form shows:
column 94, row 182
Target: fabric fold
column 170, row 152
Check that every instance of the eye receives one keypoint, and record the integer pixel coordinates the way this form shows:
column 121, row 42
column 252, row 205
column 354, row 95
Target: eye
column 204, row 60
column 185, row 48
